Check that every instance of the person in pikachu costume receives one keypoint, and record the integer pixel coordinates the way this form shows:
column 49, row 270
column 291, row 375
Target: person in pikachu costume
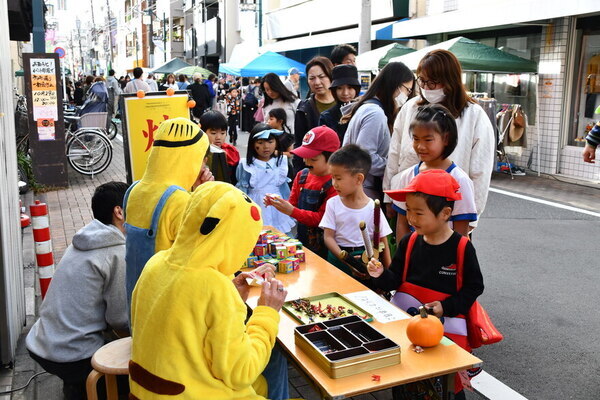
column 154, row 205
column 190, row 340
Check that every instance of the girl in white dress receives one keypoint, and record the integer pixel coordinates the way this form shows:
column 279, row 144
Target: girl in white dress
column 264, row 174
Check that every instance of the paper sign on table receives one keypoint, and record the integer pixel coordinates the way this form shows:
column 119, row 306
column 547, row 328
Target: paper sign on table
column 382, row 310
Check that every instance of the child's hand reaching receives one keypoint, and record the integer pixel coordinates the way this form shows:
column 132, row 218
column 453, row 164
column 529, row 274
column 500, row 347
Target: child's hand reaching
column 282, row 205
column 375, row 268
column 436, row 308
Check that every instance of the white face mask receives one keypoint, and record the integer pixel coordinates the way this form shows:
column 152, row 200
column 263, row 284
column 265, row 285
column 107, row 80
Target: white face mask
column 401, row 99
column 433, row 96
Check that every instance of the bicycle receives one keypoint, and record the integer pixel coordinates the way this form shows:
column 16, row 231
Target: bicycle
column 89, row 151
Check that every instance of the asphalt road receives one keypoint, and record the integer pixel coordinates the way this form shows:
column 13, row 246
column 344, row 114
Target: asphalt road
column 541, row 268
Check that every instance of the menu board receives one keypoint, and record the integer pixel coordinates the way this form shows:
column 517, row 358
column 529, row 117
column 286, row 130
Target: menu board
column 44, row 94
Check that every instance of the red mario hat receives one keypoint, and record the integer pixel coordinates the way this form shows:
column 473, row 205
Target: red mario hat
column 316, row 141
column 435, row 182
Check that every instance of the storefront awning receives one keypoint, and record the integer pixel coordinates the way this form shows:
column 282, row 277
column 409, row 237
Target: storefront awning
column 492, row 14
column 320, row 40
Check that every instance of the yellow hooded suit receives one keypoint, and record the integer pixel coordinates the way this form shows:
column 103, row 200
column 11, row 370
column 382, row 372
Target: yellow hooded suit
column 189, row 336
column 173, row 166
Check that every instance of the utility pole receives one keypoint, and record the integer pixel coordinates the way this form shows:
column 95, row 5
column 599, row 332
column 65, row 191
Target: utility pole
column 165, row 36
column 39, row 33
column 93, row 36
column 78, row 24
column 364, row 27
column 110, row 42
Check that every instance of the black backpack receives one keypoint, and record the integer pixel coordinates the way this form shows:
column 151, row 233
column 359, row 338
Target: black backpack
column 250, row 99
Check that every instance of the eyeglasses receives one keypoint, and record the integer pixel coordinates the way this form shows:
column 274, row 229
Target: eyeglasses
column 409, row 90
column 431, row 84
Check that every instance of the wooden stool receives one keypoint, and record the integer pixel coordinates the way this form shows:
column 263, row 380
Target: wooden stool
column 110, row 360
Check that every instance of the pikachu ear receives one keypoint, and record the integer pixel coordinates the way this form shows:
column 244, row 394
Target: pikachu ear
column 209, row 225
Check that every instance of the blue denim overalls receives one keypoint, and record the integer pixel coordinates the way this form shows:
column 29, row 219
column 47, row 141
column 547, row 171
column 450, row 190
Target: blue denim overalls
column 311, row 200
column 140, row 243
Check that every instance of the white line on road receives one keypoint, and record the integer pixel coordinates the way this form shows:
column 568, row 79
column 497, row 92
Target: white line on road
column 491, row 388
column 545, row 202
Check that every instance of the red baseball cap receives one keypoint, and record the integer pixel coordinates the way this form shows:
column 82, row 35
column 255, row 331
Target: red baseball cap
column 435, row 182
column 316, row 141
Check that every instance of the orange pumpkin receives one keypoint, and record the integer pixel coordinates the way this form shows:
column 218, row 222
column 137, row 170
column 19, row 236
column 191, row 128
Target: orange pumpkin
column 424, row 330
column 141, row 94
column 191, row 104
column 170, row 91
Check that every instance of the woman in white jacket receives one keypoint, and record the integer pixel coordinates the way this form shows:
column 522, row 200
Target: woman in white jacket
column 439, row 77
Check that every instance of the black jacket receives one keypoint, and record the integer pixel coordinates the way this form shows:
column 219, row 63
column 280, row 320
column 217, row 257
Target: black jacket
column 201, row 96
column 307, row 117
column 331, row 118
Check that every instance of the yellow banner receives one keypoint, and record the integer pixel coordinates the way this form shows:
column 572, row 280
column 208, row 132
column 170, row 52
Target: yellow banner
column 143, row 117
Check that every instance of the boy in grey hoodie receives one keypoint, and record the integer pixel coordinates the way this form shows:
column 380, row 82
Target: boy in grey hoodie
column 86, row 296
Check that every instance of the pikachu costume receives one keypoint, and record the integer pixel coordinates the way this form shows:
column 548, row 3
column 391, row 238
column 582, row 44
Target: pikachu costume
column 154, row 205
column 189, row 336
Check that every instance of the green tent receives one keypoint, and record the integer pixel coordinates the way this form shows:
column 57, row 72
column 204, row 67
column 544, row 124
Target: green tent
column 376, row 59
column 191, row 70
column 171, row 66
column 474, row 56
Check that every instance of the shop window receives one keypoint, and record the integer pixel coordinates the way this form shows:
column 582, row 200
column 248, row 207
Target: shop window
column 587, row 87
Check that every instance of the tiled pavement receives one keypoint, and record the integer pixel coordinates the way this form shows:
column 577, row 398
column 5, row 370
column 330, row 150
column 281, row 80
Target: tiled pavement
column 70, row 210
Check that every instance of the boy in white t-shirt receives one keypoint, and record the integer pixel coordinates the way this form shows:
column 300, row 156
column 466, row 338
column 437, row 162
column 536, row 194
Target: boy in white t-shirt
column 348, row 167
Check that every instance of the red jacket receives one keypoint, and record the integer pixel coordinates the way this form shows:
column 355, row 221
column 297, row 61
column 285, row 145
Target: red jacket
column 305, row 217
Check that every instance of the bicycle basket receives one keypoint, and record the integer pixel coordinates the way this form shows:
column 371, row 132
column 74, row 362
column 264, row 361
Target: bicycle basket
column 93, row 120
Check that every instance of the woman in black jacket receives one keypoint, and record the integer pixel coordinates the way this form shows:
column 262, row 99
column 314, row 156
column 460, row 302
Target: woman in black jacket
column 318, row 73
column 345, row 87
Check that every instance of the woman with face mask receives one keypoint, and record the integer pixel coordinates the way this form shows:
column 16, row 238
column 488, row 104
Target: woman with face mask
column 439, row 78
column 372, row 118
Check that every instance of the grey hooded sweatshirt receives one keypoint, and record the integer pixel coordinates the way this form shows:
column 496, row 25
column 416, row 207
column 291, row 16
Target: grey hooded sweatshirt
column 86, row 295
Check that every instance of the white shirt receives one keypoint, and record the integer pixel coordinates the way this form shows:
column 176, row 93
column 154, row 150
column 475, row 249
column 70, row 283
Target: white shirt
column 464, row 209
column 152, row 85
column 136, row 84
column 474, row 152
column 345, row 222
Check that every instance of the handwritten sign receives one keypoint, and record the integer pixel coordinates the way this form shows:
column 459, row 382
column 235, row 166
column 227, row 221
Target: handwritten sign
column 382, row 310
column 44, row 95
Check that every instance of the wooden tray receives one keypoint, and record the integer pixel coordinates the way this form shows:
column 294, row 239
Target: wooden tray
column 334, row 299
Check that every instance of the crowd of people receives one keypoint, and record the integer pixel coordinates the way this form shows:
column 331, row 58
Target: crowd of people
column 314, row 166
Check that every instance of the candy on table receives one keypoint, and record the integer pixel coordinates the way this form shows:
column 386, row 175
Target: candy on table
column 286, row 266
column 300, row 255
column 260, row 250
column 291, row 248
column 295, row 263
column 249, row 263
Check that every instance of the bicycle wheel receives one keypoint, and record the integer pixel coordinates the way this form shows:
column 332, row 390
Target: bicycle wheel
column 89, row 152
column 113, row 129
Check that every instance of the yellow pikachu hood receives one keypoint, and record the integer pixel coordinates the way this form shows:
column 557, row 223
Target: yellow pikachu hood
column 219, row 229
column 175, row 159
column 189, row 336
column 177, row 153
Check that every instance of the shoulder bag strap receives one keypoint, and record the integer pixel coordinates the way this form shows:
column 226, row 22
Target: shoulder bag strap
column 409, row 247
column 460, row 261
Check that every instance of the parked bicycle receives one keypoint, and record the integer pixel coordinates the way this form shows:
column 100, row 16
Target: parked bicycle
column 89, row 150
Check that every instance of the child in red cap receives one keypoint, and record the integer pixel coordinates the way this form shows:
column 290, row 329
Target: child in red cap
column 434, row 266
column 312, row 187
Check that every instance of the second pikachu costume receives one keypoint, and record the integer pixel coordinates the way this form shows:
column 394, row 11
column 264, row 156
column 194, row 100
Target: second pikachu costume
column 190, row 340
column 154, row 205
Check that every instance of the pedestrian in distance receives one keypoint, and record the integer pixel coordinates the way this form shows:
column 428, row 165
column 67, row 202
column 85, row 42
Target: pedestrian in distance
column 278, row 96
column 292, row 81
column 344, row 88
column 371, row 119
column 343, row 54
column 152, row 83
column 171, row 82
column 183, row 82
column 439, row 76
column 201, row 95
column 137, row 83
column 263, row 175
column 318, row 74
column 232, row 101
column 426, row 266
column 86, row 299
column 434, row 136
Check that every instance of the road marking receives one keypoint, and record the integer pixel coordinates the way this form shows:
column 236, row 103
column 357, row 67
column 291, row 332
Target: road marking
column 119, row 137
column 491, row 388
column 545, row 202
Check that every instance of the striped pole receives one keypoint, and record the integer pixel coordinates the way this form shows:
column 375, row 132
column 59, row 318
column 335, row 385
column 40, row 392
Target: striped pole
column 43, row 244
